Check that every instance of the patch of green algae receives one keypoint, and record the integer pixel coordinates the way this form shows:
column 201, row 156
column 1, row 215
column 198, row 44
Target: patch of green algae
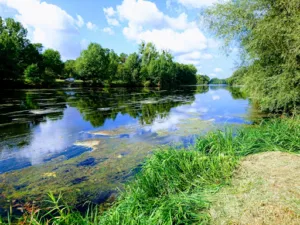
column 114, row 160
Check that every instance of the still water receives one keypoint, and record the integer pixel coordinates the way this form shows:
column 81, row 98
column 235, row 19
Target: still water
column 87, row 142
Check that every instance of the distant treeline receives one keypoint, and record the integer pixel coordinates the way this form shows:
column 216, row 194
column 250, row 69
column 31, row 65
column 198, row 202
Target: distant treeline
column 26, row 63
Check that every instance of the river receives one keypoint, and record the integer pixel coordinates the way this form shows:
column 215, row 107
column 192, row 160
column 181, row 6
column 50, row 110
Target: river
column 87, row 142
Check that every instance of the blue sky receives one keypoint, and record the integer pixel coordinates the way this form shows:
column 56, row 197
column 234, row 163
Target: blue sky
column 70, row 25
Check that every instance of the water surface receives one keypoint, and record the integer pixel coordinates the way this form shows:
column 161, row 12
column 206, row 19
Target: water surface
column 86, row 142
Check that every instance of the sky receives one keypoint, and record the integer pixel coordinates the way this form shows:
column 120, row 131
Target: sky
column 174, row 25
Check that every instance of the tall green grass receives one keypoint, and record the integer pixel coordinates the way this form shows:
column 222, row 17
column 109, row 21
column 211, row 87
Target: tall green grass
column 173, row 184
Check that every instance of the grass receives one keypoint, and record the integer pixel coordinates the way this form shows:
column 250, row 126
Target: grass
column 175, row 186
column 63, row 81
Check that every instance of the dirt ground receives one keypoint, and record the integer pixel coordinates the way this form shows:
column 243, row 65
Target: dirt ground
column 265, row 190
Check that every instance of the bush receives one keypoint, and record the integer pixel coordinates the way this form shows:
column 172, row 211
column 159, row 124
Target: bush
column 147, row 83
column 32, row 74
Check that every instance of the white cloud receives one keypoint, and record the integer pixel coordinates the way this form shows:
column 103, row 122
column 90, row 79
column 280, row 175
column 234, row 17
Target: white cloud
column 212, row 75
column 109, row 11
column 218, row 70
column 145, row 13
column 91, row 26
column 108, row 30
column 178, row 42
column 110, row 14
column 216, row 97
column 47, row 20
column 143, row 21
column 196, row 58
column 197, row 55
column 113, row 22
column 80, row 21
column 139, row 12
column 197, row 3
column 179, row 23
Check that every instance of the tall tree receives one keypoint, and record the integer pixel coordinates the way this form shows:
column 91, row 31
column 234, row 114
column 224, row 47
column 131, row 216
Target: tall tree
column 148, row 54
column 93, row 63
column 70, row 69
column 186, row 74
column 114, row 62
column 268, row 34
column 238, row 77
column 52, row 62
column 123, row 57
column 162, row 70
column 203, row 79
column 132, row 69
column 13, row 42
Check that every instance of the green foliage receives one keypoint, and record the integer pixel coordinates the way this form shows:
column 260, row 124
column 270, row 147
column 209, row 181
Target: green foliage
column 268, row 35
column 93, row 63
column 238, row 76
column 32, row 74
column 217, row 81
column 131, row 69
column 52, row 62
column 147, row 83
column 162, row 70
column 13, row 49
column 148, row 52
column 237, row 93
column 153, row 68
column 203, row 79
column 185, row 74
column 113, row 66
column 19, row 57
column 70, row 69
column 48, row 76
column 185, row 174
column 96, row 64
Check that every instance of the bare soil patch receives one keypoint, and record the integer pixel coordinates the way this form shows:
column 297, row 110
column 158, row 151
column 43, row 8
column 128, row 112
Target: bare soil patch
column 265, row 190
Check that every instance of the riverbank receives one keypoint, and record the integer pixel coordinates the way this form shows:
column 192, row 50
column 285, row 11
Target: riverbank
column 178, row 187
column 264, row 190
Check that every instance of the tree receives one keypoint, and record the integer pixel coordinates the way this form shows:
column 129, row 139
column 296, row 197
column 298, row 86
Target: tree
column 217, row 81
column 267, row 32
column 148, row 54
column 33, row 74
column 13, row 41
column 93, row 63
column 114, row 62
column 123, row 57
column 52, row 62
column 203, row 79
column 70, row 69
column 186, row 74
column 238, row 77
column 132, row 69
column 22, row 61
column 162, row 70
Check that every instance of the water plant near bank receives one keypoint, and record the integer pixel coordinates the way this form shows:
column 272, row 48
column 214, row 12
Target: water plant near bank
column 174, row 185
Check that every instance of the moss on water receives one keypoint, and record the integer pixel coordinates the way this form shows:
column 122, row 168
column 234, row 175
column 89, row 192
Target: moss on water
column 60, row 174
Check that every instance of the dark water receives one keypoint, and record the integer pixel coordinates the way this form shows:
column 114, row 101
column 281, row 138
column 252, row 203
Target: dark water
column 89, row 141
